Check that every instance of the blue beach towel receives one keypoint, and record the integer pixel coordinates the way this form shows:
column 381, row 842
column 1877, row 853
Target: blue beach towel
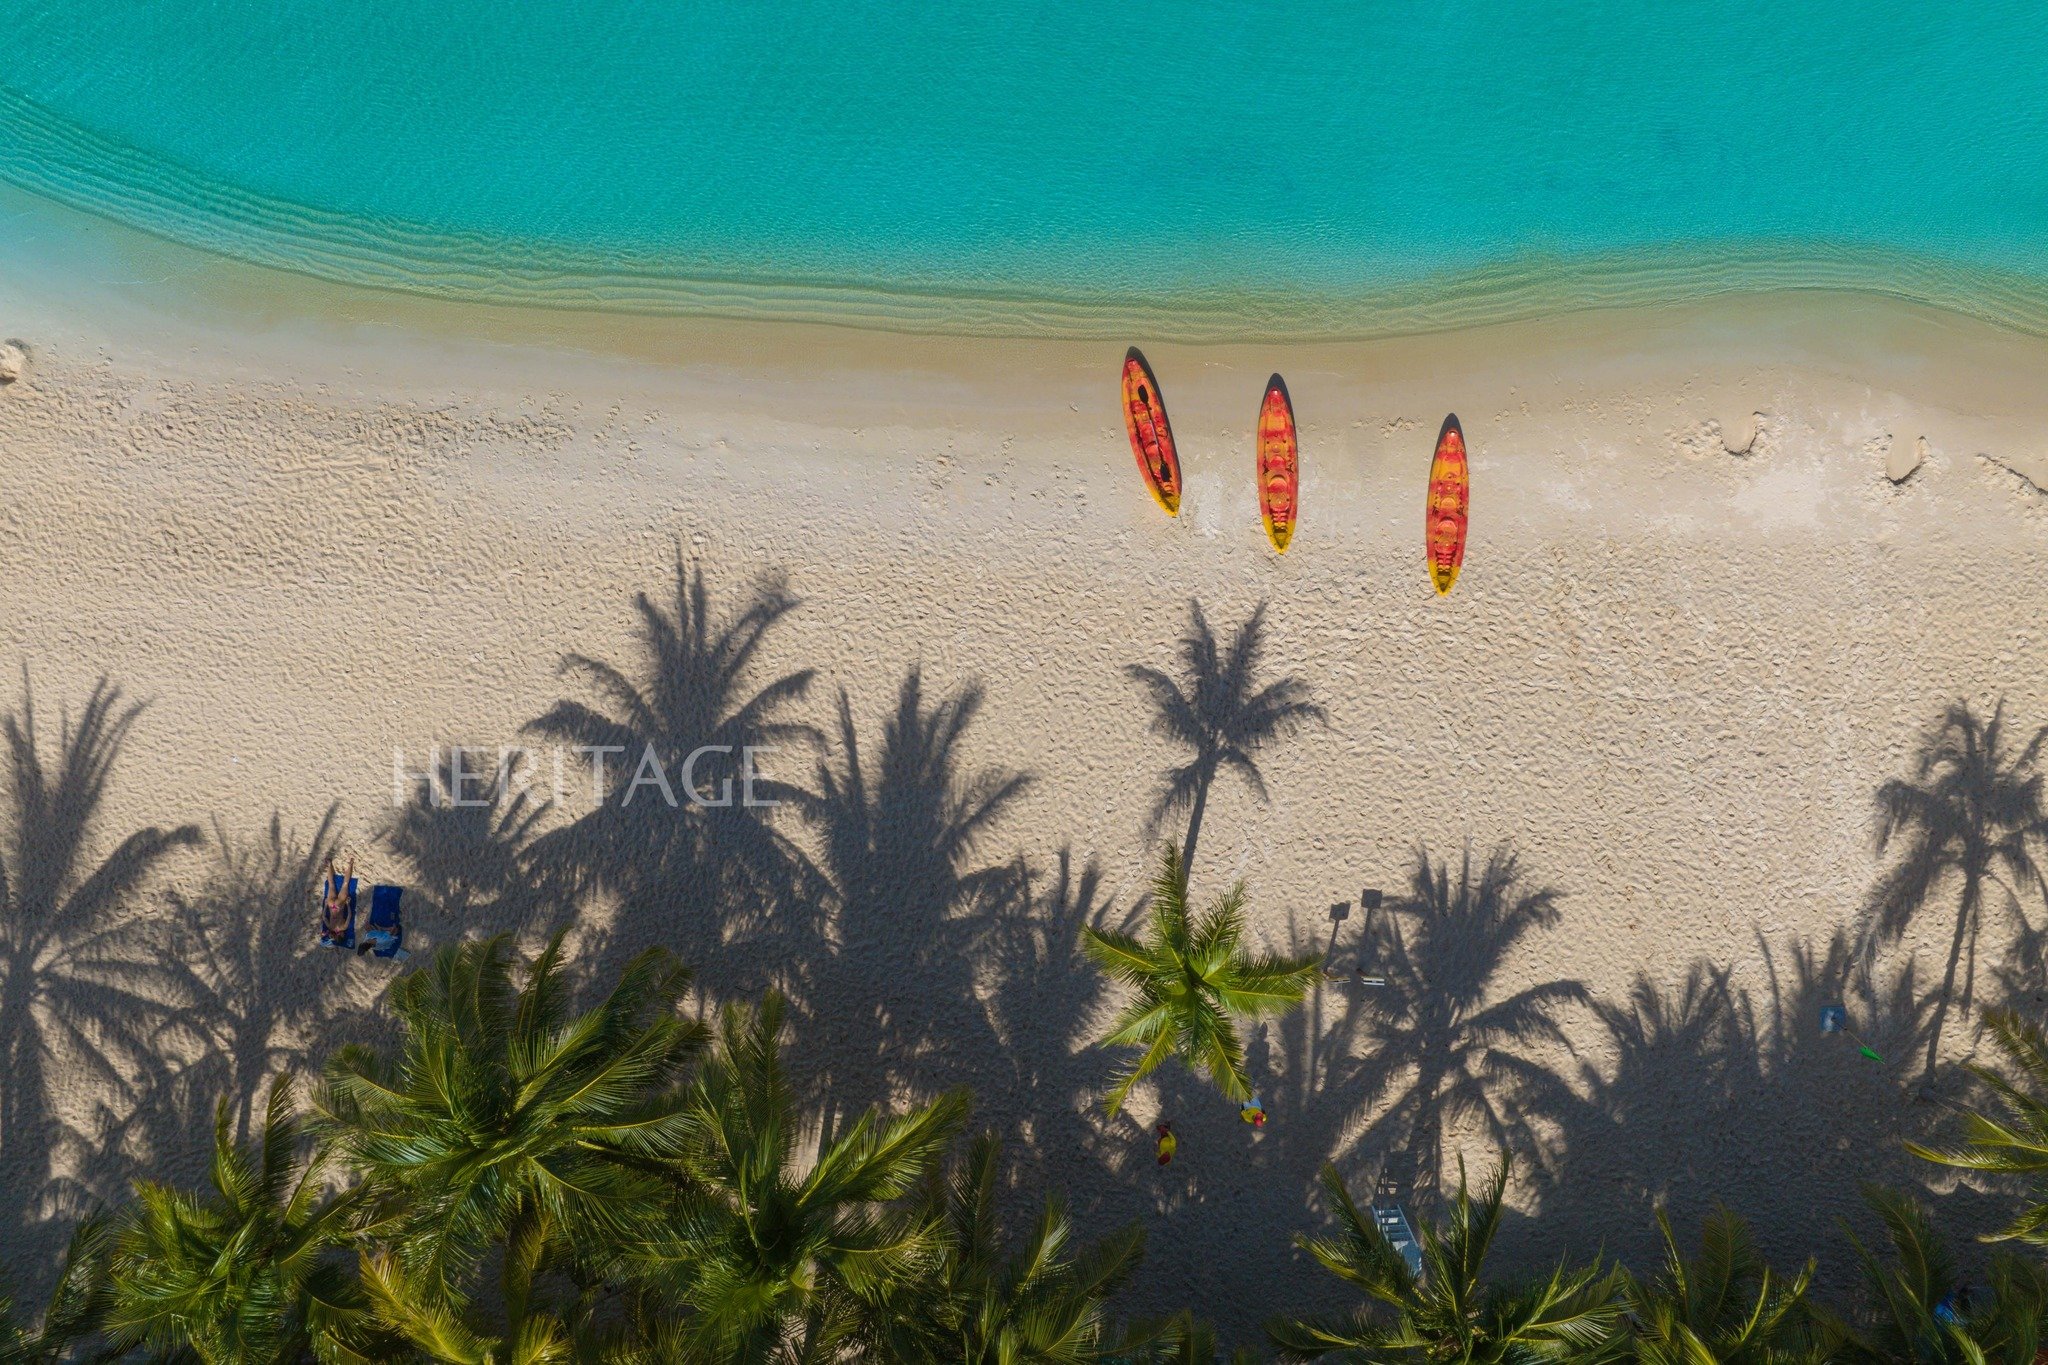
column 386, row 934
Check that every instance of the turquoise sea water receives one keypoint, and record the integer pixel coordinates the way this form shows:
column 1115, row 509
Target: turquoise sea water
column 1209, row 169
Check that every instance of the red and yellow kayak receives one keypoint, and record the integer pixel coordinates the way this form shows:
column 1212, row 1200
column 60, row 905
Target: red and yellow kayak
column 1448, row 508
column 1279, row 465
column 1151, row 437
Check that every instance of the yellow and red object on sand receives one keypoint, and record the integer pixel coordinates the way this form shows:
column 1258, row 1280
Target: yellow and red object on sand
column 1151, row 437
column 1279, row 465
column 1449, row 507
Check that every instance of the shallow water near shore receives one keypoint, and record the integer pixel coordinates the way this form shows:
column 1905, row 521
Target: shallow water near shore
column 1208, row 175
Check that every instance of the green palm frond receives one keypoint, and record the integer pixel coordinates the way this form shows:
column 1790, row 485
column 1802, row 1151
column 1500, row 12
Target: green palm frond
column 1182, row 1339
column 1912, row 1311
column 1449, row 1312
column 1723, row 1307
column 759, row 1257
column 248, row 1271
column 504, row 1120
column 425, row 1320
column 76, row 1307
column 2016, row 1142
column 1194, row 983
column 974, row 1302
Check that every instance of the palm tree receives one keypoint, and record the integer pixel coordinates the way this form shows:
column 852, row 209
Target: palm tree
column 1195, row 982
column 978, row 1305
column 1182, row 1339
column 83, row 971
column 1972, row 807
column 2016, row 1142
column 1448, row 1312
column 75, row 1307
column 1217, row 709
column 1916, row 1312
column 1441, row 1027
column 505, row 1120
column 247, row 1274
column 768, row 1260
column 1724, row 1307
column 692, row 869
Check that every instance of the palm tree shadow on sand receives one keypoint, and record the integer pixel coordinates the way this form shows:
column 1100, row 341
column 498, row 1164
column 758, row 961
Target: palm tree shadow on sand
column 1369, row 1077
column 85, row 976
column 1043, row 995
column 898, row 831
column 721, row 884
column 256, row 993
column 468, row 834
column 1217, row 709
column 1972, row 809
column 1716, row 1091
column 1450, row 1050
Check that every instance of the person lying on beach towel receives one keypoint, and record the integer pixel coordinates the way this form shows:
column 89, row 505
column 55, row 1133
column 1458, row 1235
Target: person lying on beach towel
column 1167, row 1144
column 338, row 907
column 386, row 933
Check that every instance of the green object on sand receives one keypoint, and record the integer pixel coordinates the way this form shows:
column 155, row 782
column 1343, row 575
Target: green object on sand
column 1868, row 1053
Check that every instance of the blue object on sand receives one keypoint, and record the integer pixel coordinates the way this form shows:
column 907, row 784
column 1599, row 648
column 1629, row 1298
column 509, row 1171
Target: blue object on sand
column 386, row 934
column 1393, row 1225
column 1834, row 1018
column 347, row 937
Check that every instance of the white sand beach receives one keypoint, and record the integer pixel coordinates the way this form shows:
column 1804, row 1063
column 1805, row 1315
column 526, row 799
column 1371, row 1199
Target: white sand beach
column 1726, row 564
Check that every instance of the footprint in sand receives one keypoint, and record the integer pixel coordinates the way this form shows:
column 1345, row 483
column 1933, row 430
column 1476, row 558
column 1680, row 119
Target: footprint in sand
column 1739, row 432
column 1904, row 457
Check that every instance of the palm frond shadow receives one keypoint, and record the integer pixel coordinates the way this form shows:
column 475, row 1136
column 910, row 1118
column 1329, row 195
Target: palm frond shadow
column 1972, row 814
column 1038, row 977
column 721, row 884
column 1719, row 1091
column 468, row 833
column 85, row 976
column 1217, row 709
column 1453, row 1051
column 257, row 995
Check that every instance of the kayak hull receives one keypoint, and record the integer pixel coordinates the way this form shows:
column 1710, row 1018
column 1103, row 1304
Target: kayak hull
column 1448, row 508
column 1151, row 435
column 1278, row 467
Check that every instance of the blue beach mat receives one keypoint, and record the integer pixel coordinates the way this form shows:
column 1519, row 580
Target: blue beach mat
column 386, row 934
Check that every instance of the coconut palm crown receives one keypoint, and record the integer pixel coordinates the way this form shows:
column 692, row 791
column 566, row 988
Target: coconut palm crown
column 1725, row 1306
column 978, row 1302
column 1195, row 982
column 769, row 1256
column 506, row 1120
column 1449, row 1312
column 248, row 1273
